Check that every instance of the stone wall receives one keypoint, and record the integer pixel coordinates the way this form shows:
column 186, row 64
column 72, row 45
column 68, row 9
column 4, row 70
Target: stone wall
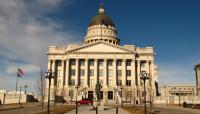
column 9, row 98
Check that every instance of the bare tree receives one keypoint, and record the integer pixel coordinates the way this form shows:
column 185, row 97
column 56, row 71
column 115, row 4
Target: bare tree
column 151, row 96
column 40, row 88
column 64, row 94
column 71, row 94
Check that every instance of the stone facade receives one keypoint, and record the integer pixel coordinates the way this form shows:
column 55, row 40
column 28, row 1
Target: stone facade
column 101, row 58
column 175, row 94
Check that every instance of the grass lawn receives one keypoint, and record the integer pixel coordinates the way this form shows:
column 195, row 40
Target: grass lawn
column 59, row 109
column 134, row 110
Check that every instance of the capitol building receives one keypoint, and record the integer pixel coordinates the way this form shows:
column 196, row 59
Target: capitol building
column 101, row 58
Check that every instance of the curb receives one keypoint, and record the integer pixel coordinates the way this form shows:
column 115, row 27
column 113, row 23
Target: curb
column 10, row 108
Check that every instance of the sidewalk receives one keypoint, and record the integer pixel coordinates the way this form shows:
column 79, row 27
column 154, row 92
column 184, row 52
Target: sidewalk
column 171, row 109
column 90, row 110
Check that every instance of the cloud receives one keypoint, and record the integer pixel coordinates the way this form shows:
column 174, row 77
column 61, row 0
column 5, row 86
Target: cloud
column 29, row 68
column 25, row 36
column 26, row 32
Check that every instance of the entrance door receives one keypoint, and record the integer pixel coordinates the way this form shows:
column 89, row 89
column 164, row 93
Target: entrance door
column 90, row 94
column 101, row 95
column 110, row 95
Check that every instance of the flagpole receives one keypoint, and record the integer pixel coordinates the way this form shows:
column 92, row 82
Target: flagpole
column 16, row 82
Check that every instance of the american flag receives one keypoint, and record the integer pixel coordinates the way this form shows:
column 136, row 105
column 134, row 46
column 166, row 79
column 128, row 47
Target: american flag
column 20, row 73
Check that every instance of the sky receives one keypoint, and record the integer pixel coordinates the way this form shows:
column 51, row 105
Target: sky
column 28, row 27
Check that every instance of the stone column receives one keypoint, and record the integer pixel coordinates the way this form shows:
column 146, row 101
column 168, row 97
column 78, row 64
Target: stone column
column 48, row 68
column 124, row 72
column 138, row 72
column 63, row 72
column 53, row 70
column 86, row 72
column 67, row 73
column 139, row 90
column 49, row 64
column 105, row 68
column 152, row 72
column 114, row 73
column 95, row 71
column 148, row 66
column 133, row 81
column 77, row 72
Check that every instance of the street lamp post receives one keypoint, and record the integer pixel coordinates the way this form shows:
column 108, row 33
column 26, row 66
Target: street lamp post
column 25, row 87
column 76, row 98
column 49, row 75
column 122, row 87
column 144, row 77
column 179, row 97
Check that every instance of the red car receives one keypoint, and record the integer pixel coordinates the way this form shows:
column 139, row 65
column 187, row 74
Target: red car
column 197, row 106
column 85, row 101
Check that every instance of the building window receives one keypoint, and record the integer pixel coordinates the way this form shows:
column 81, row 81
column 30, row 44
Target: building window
column 110, row 83
column 73, row 62
column 119, row 82
column 100, row 62
column 119, row 63
column 59, row 73
column 91, row 82
column 128, row 82
column 128, row 63
column 59, row 63
column 72, row 82
column 71, row 94
column 110, row 95
column 143, row 93
column 100, row 72
column 58, row 83
column 110, row 63
column 90, row 95
column 73, row 72
column 119, row 73
column 110, row 72
column 82, row 72
column 91, row 72
column 101, row 82
column 142, row 63
column 82, row 82
column 91, row 62
column 129, row 94
column 82, row 63
column 128, row 72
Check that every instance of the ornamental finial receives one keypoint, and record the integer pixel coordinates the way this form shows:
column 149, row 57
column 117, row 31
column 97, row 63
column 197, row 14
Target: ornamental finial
column 101, row 8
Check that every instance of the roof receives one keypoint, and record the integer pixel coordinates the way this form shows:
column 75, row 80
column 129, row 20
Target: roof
column 101, row 18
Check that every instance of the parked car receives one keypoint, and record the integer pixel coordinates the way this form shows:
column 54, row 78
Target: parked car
column 190, row 106
column 197, row 106
column 86, row 101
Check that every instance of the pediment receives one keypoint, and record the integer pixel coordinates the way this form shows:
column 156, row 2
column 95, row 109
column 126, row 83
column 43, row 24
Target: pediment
column 101, row 47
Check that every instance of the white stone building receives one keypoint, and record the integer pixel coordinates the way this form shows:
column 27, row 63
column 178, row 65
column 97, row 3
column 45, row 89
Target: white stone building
column 101, row 58
column 175, row 94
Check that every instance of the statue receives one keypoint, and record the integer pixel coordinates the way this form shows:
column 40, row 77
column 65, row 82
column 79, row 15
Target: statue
column 98, row 91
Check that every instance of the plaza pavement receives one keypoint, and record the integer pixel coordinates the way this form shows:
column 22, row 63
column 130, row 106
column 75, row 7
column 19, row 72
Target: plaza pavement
column 89, row 110
column 170, row 109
